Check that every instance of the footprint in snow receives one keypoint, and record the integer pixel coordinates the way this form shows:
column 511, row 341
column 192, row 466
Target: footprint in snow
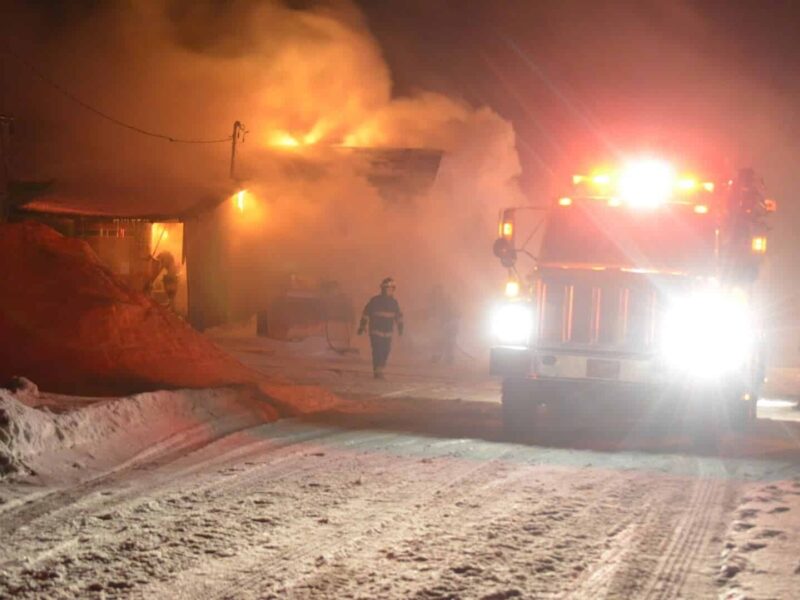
column 753, row 546
column 730, row 570
column 779, row 509
column 503, row 595
column 769, row 533
column 466, row 570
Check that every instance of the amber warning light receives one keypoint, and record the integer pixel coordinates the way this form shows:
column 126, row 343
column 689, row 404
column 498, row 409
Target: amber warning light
column 506, row 228
column 503, row 247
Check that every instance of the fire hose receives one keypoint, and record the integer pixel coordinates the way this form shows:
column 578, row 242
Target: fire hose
column 346, row 350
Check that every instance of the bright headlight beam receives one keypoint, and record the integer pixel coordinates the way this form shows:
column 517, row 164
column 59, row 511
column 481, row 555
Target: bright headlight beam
column 708, row 334
column 512, row 324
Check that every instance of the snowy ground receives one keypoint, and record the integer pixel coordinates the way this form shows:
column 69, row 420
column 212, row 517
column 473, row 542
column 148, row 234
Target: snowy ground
column 406, row 489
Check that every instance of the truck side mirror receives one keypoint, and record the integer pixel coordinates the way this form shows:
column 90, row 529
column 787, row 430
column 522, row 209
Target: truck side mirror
column 504, row 250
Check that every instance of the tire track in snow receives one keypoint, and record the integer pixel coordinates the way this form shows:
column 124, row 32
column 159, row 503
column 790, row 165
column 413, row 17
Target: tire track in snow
column 671, row 543
column 376, row 519
column 404, row 527
column 83, row 501
column 227, row 488
column 686, row 547
column 161, row 459
column 596, row 583
column 492, row 522
column 171, row 448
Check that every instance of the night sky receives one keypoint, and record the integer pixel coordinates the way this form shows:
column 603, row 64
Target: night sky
column 598, row 77
column 581, row 79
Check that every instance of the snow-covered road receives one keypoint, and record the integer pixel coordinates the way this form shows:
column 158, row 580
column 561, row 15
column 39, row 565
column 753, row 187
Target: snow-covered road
column 297, row 509
column 406, row 491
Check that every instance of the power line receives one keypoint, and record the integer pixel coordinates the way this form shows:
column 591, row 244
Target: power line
column 97, row 112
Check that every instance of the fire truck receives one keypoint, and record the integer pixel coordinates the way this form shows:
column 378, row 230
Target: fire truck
column 639, row 298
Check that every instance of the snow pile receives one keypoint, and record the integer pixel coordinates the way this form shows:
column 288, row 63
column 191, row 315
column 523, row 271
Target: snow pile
column 116, row 430
column 69, row 324
column 296, row 400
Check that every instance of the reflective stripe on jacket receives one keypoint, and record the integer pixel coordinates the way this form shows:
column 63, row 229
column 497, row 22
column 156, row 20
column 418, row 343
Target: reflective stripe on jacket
column 382, row 312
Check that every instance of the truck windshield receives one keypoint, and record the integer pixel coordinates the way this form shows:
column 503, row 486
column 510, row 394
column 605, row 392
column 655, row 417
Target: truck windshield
column 671, row 237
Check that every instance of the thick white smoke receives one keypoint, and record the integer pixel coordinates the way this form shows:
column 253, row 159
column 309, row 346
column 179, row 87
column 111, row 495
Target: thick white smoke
column 305, row 83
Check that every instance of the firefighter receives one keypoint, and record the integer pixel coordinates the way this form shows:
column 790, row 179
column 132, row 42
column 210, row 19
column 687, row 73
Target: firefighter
column 747, row 208
column 749, row 195
column 170, row 279
column 382, row 312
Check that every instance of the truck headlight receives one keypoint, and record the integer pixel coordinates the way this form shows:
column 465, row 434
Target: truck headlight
column 512, row 323
column 708, row 334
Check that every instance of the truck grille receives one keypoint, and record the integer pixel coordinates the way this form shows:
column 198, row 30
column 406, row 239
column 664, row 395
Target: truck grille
column 612, row 317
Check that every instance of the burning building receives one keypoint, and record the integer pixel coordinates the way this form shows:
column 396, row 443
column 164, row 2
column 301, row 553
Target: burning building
column 141, row 242
column 338, row 179
column 213, row 260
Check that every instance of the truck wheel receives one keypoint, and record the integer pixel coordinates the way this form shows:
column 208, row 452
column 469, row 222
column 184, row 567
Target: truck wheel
column 519, row 409
column 741, row 414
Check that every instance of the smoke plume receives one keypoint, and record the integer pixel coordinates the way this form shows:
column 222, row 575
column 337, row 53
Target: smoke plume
column 308, row 83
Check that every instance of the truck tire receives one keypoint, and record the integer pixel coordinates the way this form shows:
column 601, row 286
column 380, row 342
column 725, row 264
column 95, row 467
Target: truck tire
column 733, row 415
column 741, row 414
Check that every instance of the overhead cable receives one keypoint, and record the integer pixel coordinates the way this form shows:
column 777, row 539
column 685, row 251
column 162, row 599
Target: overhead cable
column 97, row 112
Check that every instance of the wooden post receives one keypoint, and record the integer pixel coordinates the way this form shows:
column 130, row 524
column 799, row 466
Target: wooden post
column 5, row 170
column 238, row 130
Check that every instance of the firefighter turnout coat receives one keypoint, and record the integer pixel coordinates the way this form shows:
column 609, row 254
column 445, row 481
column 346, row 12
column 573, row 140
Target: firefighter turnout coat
column 382, row 312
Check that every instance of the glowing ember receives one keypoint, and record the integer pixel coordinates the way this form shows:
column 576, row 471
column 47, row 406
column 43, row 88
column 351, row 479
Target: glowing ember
column 240, row 200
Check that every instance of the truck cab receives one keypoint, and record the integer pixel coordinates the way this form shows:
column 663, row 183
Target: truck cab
column 639, row 299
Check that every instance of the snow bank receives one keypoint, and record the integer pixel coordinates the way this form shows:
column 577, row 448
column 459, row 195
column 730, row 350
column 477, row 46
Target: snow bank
column 69, row 324
column 32, row 440
column 296, row 400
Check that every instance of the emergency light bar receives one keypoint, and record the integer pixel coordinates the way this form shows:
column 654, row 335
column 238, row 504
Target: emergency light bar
column 646, row 182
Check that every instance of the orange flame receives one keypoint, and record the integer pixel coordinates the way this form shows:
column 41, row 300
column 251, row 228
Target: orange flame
column 240, row 200
column 283, row 139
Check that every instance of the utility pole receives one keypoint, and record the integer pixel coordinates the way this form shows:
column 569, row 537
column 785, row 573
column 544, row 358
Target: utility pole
column 238, row 133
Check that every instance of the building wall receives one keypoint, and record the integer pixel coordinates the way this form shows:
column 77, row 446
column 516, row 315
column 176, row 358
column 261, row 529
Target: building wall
column 206, row 276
